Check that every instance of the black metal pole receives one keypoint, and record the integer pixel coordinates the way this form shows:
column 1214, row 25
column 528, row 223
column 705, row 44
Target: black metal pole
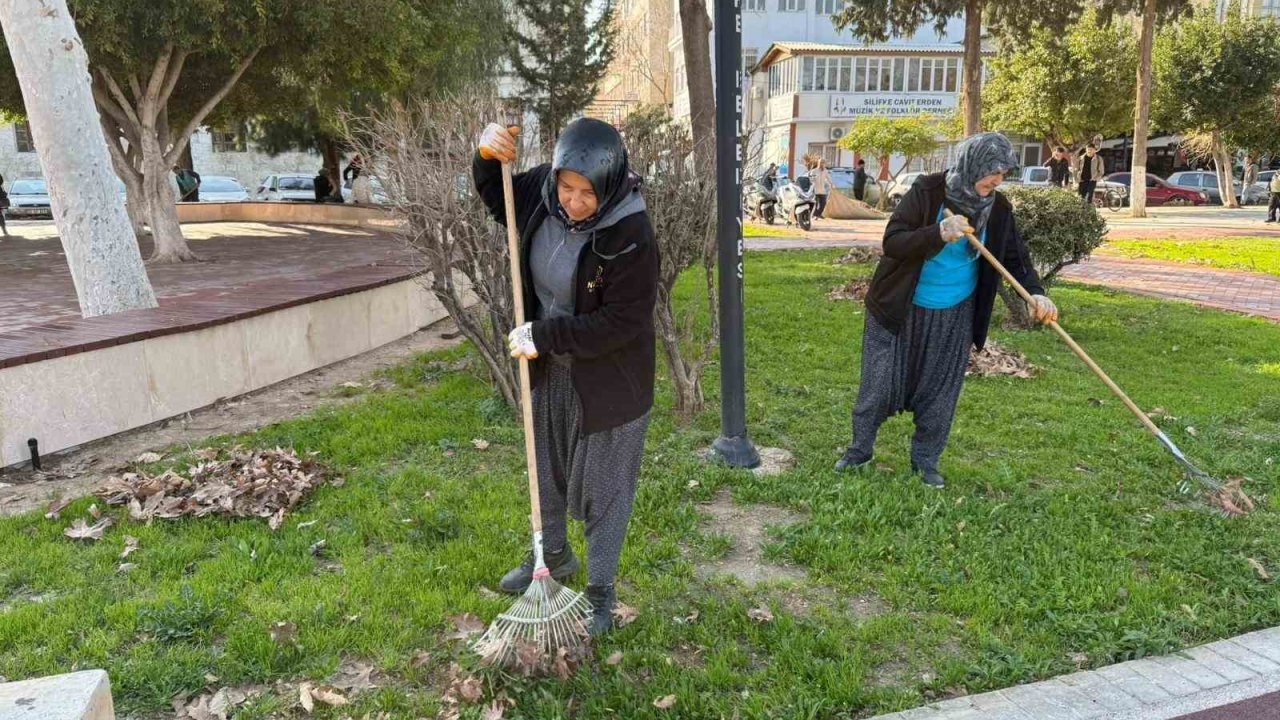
column 733, row 447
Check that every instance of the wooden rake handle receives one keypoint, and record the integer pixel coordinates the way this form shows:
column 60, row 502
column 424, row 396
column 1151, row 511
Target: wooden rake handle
column 517, row 301
column 1075, row 348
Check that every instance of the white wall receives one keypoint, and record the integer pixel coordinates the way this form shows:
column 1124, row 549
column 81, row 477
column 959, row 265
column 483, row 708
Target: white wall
column 249, row 167
column 14, row 164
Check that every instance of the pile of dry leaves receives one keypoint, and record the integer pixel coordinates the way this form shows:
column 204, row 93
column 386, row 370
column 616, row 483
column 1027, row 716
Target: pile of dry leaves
column 997, row 360
column 852, row 290
column 1232, row 500
column 859, row 255
column 235, row 482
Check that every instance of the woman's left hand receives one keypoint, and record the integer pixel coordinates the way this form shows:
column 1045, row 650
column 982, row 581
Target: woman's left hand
column 520, row 341
column 1043, row 309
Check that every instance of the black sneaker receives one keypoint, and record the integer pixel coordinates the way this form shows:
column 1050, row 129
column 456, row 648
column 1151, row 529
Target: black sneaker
column 562, row 565
column 602, row 599
column 931, row 478
column 854, row 461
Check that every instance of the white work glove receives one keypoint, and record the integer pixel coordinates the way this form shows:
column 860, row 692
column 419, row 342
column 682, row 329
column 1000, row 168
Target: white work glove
column 498, row 143
column 954, row 228
column 520, row 341
column 1043, row 309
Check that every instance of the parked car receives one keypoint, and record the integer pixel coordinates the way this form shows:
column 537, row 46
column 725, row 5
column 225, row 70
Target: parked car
column 220, row 188
column 287, row 188
column 1202, row 180
column 29, row 197
column 1160, row 192
column 898, row 188
column 379, row 194
column 842, row 180
column 1034, row 176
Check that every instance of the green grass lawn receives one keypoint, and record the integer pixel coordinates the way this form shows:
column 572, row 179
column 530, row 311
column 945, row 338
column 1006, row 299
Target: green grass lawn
column 759, row 230
column 1061, row 540
column 1257, row 254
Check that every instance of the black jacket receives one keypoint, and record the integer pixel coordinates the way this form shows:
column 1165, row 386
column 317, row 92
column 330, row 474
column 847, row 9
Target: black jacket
column 912, row 237
column 610, row 335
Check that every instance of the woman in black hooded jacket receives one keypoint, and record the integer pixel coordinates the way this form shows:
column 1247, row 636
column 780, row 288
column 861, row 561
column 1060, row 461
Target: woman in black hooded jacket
column 590, row 270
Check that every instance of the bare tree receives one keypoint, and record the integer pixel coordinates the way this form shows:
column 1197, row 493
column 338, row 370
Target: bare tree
column 695, row 31
column 681, row 203
column 423, row 155
column 52, row 70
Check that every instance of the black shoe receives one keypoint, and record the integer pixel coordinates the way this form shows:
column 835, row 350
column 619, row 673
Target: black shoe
column 561, row 564
column 853, row 461
column 932, row 478
column 1270, row 220
column 602, row 599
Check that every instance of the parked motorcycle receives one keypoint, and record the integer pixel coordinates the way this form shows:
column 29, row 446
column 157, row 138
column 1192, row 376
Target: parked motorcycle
column 761, row 201
column 797, row 202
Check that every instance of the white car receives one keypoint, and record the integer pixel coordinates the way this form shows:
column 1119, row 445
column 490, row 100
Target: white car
column 220, row 188
column 898, row 188
column 287, row 188
column 29, row 197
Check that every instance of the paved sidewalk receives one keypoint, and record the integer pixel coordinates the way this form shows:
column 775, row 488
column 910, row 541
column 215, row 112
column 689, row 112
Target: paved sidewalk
column 1237, row 291
column 1161, row 688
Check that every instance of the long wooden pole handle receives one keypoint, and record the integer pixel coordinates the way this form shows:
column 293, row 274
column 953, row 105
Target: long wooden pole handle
column 517, row 300
column 1071, row 343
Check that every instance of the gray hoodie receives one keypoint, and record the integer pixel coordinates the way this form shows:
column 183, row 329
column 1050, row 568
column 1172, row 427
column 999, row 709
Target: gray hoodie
column 553, row 259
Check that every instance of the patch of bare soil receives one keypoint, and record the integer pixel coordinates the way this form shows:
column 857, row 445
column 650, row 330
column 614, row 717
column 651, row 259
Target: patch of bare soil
column 79, row 471
column 746, row 525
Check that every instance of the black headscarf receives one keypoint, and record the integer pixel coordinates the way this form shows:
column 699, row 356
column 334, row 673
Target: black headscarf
column 592, row 148
column 977, row 157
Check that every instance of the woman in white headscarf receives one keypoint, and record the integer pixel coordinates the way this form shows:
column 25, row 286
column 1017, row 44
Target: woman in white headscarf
column 930, row 300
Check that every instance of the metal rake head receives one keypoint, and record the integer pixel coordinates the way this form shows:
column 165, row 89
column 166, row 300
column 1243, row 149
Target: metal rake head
column 549, row 616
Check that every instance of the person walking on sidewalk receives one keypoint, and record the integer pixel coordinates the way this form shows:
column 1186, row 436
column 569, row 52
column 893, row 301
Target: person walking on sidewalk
column 590, row 267
column 930, row 300
column 1089, row 171
column 1059, row 168
column 821, row 178
column 1273, row 209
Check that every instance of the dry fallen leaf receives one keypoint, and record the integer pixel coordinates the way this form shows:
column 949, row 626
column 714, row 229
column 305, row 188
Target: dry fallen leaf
column 126, row 567
column 318, row 547
column 1192, row 431
column 494, row 711
column 304, row 697
column 465, row 625
column 81, row 530
column 352, row 384
column 470, row 689
column 480, row 444
column 56, row 507
column 998, row 360
column 614, row 659
column 487, row 593
column 420, row 658
column 354, row 677
column 665, row 702
column 284, row 633
column 307, row 524
column 94, row 512
column 761, row 614
column 624, row 615
column 1259, row 568
column 130, row 545
column 328, row 696
column 852, row 290
column 147, row 458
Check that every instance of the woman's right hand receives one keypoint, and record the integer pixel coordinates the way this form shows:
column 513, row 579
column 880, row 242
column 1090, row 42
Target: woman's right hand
column 954, row 228
column 499, row 143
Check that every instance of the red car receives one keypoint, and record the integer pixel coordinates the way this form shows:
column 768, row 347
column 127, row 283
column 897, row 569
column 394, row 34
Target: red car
column 1160, row 192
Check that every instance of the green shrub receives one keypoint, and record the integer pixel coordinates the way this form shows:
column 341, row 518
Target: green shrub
column 1059, row 229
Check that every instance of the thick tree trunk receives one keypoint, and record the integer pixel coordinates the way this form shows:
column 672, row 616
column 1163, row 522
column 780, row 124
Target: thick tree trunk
column 1223, row 169
column 972, row 91
column 1019, row 314
column 695, row 30
column 332, row 164
column 162, row 207
column 135, row 204
column 52, row 69
column 1142, row 113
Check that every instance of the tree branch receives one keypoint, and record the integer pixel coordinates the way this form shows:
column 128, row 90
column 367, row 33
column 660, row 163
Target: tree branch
column 149, row 106
column 119, row 95
column 108, row 106
column 171, row 80
column 210, row 104
column 119, row 159
column 135, row 87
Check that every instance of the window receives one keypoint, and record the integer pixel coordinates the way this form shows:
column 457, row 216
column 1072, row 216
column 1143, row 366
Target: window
column 750, row 56
column 899, row 74
column 225, row 141
column 752, row 6
column 22, row 136
column 1030, row 155
column 846, row 73
column 775, row 81
column 791, row 5
column 913, row 75
column 859, row 74
column 806, row 79
column 831, row 7
column 886, row 74
column 953, row 74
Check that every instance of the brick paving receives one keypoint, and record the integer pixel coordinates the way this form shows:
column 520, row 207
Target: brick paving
column 249, row 269
column 1243, row 292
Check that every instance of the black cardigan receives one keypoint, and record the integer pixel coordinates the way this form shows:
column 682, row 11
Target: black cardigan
column 610, row 335
column 912, row 237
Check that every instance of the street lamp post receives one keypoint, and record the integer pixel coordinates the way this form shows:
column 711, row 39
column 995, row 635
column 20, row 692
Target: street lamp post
column 733, row 447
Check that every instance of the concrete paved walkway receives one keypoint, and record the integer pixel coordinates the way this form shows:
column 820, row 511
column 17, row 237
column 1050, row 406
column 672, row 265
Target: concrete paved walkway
column 1242, row 670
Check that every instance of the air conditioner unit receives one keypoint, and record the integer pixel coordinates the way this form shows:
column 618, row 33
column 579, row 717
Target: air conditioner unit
column 838, row 132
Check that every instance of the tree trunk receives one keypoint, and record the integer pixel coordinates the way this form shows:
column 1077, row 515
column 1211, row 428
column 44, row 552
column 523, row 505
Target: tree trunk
column 135, row 204
column 686, row 377
column 1019, row 314
column 52, row 69
column 332, row 164
column 695, row 29
column 1142, row 113
column 1226, row 179
column 162, row 207
column 972, row 91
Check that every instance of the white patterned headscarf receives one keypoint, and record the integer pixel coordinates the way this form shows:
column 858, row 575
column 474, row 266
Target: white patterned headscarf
column 977, row 157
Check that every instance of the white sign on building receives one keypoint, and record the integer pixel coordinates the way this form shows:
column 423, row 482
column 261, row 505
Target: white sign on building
column 893, row 105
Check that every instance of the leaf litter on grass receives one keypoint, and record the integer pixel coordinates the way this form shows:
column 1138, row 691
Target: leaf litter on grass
column 996, row 359
column 236, row 482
